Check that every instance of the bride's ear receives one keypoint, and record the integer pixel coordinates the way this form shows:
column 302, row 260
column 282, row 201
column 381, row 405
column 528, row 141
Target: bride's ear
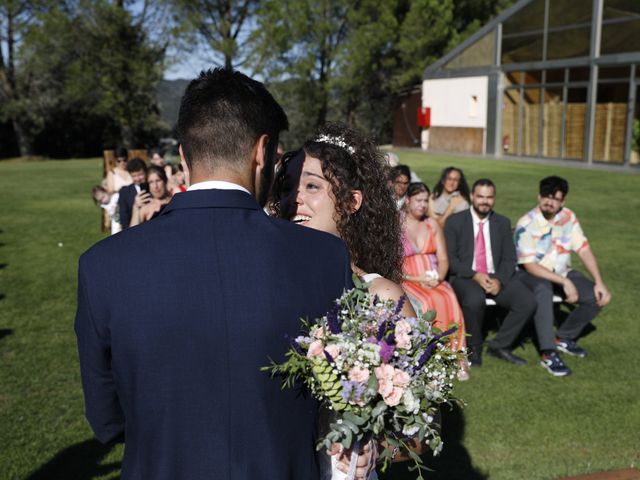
column 356, row 196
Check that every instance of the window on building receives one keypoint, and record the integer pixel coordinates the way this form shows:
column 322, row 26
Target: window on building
column 575, row 123
column 552, row 123
column 610, row 122
column 479, row 54
column 635, row 129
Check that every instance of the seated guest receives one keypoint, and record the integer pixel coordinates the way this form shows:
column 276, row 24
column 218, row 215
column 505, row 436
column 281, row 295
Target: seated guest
column 118, row 177
column 399, row 181
column 393, row 160
column 450, row 195
column 425, row 267
column 482, row 262
column 544, row 240
column 109, row 203
column 157, row 159
column 177, row 183
column 149, row 204
column 138, row 171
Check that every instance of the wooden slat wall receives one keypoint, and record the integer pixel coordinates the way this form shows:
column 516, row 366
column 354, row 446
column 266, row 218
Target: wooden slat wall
column 608, row 139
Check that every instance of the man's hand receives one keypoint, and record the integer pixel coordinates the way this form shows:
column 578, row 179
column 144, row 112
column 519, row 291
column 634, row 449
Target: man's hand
column 495, row 288
column 365, row 463
column 570, row 291
column 602, row 294
column 484, row 280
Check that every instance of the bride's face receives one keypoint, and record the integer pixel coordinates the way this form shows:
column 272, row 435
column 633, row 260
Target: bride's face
column 314, row 202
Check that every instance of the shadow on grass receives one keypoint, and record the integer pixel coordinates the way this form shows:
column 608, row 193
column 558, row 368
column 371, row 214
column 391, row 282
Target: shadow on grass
column 3, row 265
column 80, row 461
column 4, row 332
column 454, row 463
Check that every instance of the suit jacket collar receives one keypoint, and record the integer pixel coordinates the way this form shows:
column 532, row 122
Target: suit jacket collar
column 212, row 198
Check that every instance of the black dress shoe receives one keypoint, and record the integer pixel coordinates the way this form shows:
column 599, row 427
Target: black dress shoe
column 475, row 358
column 506, row 355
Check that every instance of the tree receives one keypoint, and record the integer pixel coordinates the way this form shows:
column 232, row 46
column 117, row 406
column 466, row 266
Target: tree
column 221, row 25
column 294, row 46
column 91, row 78
column 15, row 18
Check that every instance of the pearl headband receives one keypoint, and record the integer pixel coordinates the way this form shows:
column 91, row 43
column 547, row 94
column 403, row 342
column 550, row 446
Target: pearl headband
column 337, row 141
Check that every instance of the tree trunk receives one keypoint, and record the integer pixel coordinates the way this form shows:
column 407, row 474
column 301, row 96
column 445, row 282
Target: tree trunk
column 23, row 138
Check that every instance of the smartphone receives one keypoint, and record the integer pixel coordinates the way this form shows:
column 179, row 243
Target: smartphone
column 144, row 187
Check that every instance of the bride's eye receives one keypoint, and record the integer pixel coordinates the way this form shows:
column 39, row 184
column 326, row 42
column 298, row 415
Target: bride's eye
column 312, row 186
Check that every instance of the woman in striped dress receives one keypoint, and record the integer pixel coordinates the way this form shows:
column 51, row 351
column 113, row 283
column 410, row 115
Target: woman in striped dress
column 425, row 267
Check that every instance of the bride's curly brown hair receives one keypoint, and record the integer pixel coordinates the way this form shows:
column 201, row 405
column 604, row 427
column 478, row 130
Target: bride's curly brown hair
column 372, row 233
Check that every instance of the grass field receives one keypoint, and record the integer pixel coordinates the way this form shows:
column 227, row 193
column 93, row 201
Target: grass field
column 520, row 423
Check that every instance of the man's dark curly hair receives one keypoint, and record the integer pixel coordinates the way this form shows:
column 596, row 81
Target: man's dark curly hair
column 372, row 233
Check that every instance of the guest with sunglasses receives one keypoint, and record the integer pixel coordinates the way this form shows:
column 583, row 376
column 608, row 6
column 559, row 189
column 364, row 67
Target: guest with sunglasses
column 118, row 177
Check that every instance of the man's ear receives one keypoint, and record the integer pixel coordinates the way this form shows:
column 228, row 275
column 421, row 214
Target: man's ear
column 260, row 153
column 356, row 196
column 185, row 167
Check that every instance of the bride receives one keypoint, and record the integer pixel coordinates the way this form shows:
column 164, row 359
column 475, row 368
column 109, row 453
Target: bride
column 336, row 183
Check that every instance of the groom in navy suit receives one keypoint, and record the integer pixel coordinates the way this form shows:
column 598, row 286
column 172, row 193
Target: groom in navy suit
column 171, row 346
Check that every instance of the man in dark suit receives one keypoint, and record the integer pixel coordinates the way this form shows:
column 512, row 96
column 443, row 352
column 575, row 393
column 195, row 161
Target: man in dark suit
column 171, row 346
column 126, row 200
column 482, row 262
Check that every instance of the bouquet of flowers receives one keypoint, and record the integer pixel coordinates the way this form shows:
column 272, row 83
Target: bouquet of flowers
column 383, row 376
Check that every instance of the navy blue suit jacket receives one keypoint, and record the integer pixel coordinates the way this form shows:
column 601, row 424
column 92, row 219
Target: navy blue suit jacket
column 126, row 199
column 175, row 318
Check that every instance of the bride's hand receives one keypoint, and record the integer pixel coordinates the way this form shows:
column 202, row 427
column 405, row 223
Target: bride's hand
column 365, row 463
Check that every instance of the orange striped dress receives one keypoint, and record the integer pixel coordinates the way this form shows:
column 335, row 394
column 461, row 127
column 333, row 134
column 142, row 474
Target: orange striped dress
column 442, row 298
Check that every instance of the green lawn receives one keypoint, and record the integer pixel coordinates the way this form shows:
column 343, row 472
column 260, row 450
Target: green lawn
column 520, row 423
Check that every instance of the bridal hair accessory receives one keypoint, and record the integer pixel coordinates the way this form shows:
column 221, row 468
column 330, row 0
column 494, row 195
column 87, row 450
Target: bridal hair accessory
column 382, row 376
column 337, row 141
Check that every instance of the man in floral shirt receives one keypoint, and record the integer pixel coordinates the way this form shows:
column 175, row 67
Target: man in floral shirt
column 545, row 238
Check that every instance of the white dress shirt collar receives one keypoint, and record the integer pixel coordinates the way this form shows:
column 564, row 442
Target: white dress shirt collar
column 218, row 184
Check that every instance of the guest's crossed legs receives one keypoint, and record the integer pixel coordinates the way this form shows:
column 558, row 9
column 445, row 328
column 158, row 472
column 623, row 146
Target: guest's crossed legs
column 514, row 297
column 544, row 290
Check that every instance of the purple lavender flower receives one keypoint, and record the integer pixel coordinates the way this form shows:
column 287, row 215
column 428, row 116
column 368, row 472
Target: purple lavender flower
column 347, row 388
column 359, row 390
column 294, row 344
column 353, row 389
column 425, row 356
column 381, row 329
column 429, row 350
column 400, row 304
column 386, row 351
column 328, row 356
column 332, row 319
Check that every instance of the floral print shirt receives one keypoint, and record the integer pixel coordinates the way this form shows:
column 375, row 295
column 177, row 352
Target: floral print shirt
column 549, row 242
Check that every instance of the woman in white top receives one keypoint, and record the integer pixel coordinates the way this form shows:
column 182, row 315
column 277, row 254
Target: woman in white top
column 450, row 195
column 118, row 177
